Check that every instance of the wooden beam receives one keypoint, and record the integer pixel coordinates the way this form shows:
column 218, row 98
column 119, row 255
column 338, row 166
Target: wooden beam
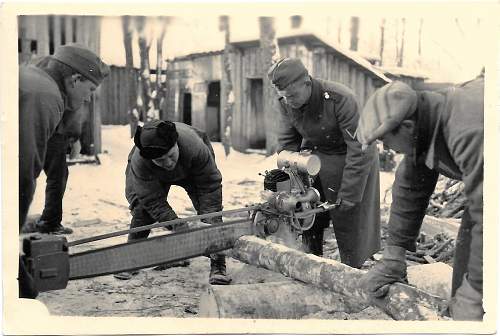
column 403, row 302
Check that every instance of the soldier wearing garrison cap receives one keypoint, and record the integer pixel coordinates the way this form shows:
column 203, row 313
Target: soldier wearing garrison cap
column 46, row 92
column 322, row 116
column 439, row 133
column 165, row 154
column 55, row 88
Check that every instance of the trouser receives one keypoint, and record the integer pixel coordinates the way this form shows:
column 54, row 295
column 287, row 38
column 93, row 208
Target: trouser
column 56, row 170
column 406, row 236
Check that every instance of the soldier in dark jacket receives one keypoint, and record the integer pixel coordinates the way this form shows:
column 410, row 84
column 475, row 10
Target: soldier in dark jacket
column 166, row 154
column 45, row 94
column 440, row 133
column 322, row 116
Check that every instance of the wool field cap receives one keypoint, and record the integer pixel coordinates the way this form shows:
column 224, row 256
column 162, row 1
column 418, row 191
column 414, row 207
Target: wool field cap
column 286, row 71
column 385, row 110
column 84, row 61
column 155, row 138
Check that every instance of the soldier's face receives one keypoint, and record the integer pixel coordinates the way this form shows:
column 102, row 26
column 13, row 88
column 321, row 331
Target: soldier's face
column 401, row 138
column 296, row 94
column 169, row 160
column 79, row 90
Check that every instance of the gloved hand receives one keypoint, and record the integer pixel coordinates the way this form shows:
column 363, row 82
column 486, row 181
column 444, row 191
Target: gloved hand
column 391, row 269
column 467, row 304
column 346, row 205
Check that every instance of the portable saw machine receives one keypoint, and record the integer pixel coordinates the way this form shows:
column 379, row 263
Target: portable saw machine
column 291, row 203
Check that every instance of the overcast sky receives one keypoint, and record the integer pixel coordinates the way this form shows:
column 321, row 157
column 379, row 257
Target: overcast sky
column 452, row 48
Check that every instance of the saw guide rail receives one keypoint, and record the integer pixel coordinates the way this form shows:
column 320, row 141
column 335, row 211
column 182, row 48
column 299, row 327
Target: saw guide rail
column 290, row 202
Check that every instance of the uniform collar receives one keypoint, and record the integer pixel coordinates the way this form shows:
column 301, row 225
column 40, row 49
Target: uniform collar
column 316, row 98
column 59, row 79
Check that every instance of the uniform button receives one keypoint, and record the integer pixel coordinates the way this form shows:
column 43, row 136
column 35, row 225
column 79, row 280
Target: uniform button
column 328, row 136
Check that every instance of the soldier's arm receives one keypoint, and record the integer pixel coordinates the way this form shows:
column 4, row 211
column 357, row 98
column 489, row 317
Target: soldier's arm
column 357, row 162
column 468, row 152
column 411, row 191
column 288, row 136
column 207, row 181
column 151, row 194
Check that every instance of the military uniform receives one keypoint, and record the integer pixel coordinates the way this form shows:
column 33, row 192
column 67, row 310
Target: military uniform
column 41, row 106
column 327, row 125
column 147, row 185
column 450, row 142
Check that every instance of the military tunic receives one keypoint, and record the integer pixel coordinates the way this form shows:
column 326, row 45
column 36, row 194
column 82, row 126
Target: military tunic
column 327, row 125
column 147, row 185
column 450, row 142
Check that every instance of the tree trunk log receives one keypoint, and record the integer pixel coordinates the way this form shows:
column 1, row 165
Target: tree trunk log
column 403, row 302
column 271, row 300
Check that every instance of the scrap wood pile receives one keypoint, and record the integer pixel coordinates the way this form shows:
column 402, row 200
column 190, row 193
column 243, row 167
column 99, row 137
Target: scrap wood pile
column 438, row 248
column 448, row 199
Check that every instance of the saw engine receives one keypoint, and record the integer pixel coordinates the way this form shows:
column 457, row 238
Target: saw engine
column 290, row 198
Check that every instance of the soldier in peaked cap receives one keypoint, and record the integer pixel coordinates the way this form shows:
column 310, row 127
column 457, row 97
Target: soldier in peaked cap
column 439, row 133
column 166, row 154
column 322, row 116
column 55, row 88
column 59, row 86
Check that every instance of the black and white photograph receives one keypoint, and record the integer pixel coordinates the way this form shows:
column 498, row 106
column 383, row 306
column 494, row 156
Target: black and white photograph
column 245, row 167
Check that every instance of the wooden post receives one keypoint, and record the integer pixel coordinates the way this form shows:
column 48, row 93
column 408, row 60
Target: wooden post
column 403, row 302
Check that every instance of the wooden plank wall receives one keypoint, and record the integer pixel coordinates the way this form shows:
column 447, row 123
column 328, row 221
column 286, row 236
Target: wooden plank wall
column 113, row 101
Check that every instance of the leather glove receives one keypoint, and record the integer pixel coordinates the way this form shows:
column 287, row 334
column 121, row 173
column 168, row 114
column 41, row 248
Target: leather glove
column 391, row 269
column 346, row 205
column 467, row 304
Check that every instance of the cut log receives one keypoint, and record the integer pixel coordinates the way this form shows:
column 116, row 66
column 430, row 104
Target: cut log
column 403, row 302
column 270, row 300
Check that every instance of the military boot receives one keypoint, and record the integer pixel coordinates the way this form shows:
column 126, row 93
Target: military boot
column 218, row 274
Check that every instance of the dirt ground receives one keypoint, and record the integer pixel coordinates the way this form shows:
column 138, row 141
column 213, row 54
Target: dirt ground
column 95, row 204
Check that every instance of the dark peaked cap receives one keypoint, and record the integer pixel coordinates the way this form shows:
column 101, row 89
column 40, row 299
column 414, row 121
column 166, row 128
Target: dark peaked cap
column 286, row 71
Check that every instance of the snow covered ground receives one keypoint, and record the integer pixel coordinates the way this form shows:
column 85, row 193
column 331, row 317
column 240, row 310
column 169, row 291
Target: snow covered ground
column 95, row 203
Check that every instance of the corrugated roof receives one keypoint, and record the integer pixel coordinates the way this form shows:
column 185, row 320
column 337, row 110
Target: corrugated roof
column 406, row 72
column 196, row 55
column 314, row 41
column 309, row 39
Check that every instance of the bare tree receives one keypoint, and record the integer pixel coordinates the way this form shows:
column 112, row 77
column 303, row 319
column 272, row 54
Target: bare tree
column 224, row 26
column 402, row 47
column 382, row 38
column 269, row 48
column 145, row 75
column 354, row 33
column 159, row 90
column 130, row 83
column 420, row 26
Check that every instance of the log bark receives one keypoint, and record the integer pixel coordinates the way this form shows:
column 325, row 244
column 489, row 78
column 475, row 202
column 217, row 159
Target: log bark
column 271, row 300
column 403, row 302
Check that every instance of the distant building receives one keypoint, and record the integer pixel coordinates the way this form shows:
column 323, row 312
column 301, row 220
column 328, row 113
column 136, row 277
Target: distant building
column 196, row 88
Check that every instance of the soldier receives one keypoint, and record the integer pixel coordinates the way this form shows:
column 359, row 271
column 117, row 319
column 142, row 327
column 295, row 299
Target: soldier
column 322, row 116
column 439, row 133
column 166, row 154
column 61, row 85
